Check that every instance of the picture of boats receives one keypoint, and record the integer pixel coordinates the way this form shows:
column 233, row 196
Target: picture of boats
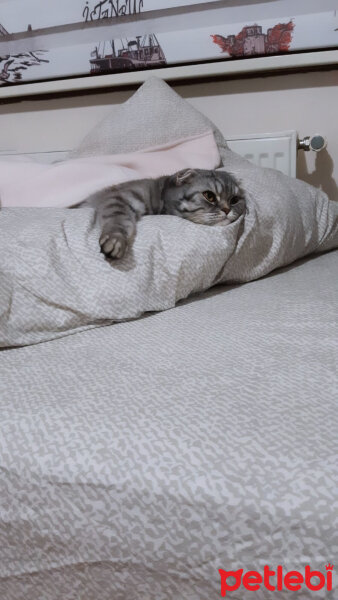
column 144, row 52
column 80, row 53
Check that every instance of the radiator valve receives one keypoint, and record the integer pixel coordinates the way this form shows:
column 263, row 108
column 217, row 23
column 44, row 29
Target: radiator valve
column 315, row 142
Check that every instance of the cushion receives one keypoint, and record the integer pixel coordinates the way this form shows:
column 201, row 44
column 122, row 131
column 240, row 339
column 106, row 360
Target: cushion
column 54, row 281
column 153, row 116
column 286, row 219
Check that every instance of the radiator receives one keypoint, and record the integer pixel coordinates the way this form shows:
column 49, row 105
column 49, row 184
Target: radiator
column 273, row 150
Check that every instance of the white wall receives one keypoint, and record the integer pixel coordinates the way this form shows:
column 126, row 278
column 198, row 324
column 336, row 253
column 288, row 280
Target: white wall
column 306, row 102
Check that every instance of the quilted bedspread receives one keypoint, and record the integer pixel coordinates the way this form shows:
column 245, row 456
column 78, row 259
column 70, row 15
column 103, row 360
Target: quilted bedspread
column 138, row 459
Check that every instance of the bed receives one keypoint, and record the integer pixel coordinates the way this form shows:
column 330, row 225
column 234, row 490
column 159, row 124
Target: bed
column 166, row 456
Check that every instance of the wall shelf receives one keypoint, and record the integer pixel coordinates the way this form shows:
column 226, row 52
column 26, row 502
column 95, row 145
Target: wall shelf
column 221, row 68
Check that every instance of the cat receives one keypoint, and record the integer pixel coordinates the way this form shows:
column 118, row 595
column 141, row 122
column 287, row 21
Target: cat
column 201, row 196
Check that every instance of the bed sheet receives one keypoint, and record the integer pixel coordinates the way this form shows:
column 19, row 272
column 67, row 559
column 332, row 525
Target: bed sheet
column 138, row 459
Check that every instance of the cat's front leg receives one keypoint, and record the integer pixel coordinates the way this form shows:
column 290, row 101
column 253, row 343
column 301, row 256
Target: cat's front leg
column 118, row 231
column 118, row 209
column 113, row 244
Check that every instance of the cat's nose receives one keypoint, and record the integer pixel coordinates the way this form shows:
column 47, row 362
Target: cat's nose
column 226, row 209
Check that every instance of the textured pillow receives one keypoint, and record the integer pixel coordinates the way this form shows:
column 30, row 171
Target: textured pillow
column 153, row 116
column 286, row 219
column 54, row 281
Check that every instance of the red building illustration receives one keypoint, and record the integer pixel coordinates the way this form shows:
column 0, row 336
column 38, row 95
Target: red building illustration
column 251, row 40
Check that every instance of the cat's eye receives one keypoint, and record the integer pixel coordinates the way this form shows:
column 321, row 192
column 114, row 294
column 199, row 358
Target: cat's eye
column 210, row 196
column 234, row 200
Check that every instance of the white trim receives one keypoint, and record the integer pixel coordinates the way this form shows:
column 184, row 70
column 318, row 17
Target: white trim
column 204, row 70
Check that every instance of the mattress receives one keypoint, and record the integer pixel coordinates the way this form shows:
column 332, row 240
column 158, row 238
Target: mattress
column 139, row 459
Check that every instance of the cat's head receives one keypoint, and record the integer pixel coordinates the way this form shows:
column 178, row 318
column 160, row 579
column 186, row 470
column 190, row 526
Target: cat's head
column 205, row 197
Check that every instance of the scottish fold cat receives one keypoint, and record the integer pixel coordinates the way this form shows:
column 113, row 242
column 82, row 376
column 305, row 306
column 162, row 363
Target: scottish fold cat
column 202, row 196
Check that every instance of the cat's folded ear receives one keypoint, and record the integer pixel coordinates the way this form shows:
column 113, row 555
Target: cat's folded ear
column 184, row 176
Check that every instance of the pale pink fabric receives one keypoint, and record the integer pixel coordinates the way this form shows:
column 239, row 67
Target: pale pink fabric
column 68, row 182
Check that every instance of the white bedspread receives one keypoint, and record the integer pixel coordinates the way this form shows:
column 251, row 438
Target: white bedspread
column 138, row 459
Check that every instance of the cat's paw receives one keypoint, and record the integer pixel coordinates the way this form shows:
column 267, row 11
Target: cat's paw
column 114, row 244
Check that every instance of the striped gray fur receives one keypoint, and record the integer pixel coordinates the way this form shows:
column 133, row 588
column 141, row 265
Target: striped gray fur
column 204, row 197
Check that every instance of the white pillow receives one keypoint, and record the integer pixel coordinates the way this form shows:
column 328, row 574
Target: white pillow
column 153, row 116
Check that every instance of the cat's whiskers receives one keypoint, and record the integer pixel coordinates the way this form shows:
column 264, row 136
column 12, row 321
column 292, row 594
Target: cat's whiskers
column 203, row 218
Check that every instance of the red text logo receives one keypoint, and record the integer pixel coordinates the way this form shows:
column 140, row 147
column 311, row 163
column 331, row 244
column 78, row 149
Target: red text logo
column 276, row 580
